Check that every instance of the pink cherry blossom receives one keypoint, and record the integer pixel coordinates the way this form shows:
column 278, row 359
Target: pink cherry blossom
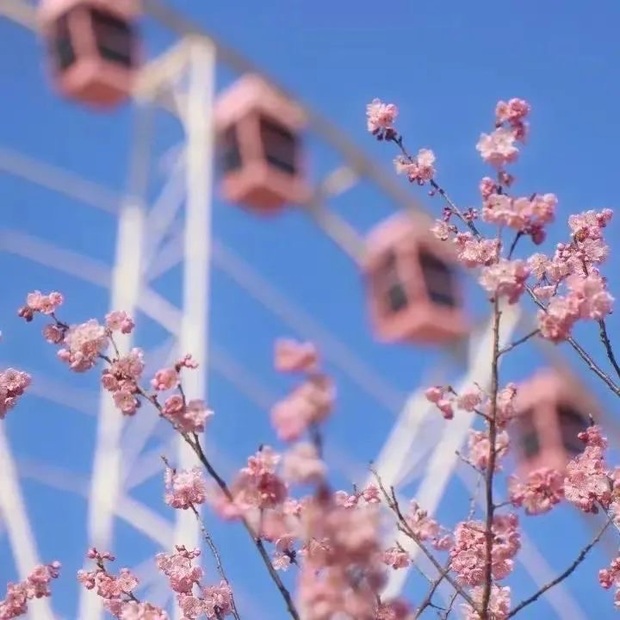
column 498, row 148
column 380, row 116
column 419, row 169
column 506, row 278
column 539, row 493
column 13, row 384
column 293, row 356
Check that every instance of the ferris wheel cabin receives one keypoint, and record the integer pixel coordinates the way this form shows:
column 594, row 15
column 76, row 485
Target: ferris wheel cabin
column 92, row 47
column 259, row 145
column 551, row 411
column 411, row 276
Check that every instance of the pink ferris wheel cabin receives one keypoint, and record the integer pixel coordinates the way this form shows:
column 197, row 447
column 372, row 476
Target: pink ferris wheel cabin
column 413, row 289
column 552, row 409
column 260, row 153
column 92, row 48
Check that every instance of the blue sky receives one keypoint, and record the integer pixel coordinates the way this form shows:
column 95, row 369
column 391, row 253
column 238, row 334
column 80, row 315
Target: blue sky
column 445, row 64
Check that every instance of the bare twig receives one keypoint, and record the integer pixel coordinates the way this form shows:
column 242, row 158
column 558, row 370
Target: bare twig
column 446, row 613
column 580, row 558
column 602, row 328
column 519, row 341
column 428, row 599
column 513, row 245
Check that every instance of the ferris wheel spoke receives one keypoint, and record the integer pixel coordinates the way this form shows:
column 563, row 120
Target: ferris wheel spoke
column 165, row 210
column 66, row 395
column 46, row 253
column 337, row 182
column 16, row 522
column 59, row 180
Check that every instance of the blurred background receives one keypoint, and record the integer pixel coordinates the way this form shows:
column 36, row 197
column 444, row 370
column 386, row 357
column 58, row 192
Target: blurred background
column 445, row 65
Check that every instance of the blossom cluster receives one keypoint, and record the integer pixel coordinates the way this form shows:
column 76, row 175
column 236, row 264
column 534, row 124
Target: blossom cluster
column 567, row 285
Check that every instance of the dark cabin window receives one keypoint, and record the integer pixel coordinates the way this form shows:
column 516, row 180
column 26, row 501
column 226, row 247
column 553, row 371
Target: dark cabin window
column 115, row 38
column 229, row 153
column 61, row 45
column 529, row 439
column 572, row 422
column 438, row 279
column 390, row 285
column 280, row 146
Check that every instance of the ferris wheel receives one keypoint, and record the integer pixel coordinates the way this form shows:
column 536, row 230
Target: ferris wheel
column 163, row 221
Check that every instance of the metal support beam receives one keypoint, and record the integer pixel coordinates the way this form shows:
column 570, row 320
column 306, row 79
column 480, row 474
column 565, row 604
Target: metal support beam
column 194, row 335
column 126, row 285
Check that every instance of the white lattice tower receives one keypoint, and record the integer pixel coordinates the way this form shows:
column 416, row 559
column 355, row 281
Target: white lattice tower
column 182, row 82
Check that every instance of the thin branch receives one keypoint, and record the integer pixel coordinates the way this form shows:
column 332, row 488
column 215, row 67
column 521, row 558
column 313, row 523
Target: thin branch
column 513, row 245
column 194, row 442
column 490, row 472
column 218, row 560
column 211, row 544
column 448, row 611
column 602, row 328
column 398, row 140
column 580, row 558
column 518, row 342
column 428, row 599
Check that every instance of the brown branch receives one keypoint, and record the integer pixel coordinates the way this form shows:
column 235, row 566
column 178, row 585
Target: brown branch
column 448, row 611
column 216, row 555
column 398, row 140
column 489, row 499
column 211, row 544
column 602, row 330
column 428, row 599
column 583, row 354
column 580, row 558
column 518, row 342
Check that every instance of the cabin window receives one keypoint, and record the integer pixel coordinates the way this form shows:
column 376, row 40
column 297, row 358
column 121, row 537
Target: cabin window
column 438, row 279
column 529, row 439
column 62, row 44
column 280, row 146
column 229, row 152
column 571, row 422
column 390, row 286
column 114, row 38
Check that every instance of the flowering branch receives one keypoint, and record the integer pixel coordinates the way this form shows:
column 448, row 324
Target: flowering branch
column 211, row 544
column 490, row 471
column 403, row 526
column 497, row 149
column 194, row 443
